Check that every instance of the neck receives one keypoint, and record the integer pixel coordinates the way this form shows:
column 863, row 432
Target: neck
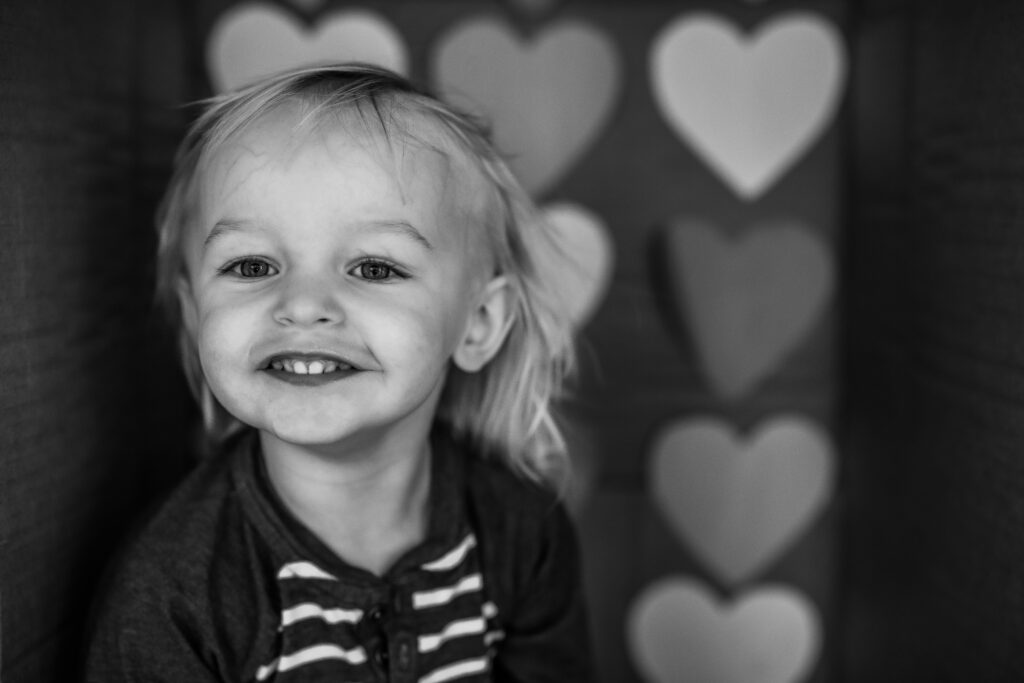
column 367, row 502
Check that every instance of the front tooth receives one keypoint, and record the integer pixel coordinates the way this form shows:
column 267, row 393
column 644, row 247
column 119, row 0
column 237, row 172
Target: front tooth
column 299, row 367
column 316, row 368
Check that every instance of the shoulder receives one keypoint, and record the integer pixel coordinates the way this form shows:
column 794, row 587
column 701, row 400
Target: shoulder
column 176, row 579
column 532, row 565
column 181, row 536
column 524, row 527
column 499, row 495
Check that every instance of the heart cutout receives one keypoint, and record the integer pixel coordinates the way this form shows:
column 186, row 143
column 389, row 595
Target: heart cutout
column 749, row 107
column 678, row 633
column 547, row 98
column 749, row 301
column 740, row 502
column 254, row 40
column 580, row 262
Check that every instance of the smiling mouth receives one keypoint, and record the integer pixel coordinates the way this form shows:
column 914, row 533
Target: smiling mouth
column 308, row 369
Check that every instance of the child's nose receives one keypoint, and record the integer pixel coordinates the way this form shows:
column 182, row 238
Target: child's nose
column 308, row 301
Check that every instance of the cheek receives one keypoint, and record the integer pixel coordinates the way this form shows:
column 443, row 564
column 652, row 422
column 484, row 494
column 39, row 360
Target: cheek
column 420, row 335
column 223, row 337
column 448, row 317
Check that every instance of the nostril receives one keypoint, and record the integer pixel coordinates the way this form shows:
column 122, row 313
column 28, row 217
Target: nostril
column 307, row 308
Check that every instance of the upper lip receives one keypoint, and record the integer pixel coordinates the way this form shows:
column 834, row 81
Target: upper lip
column 307, row 356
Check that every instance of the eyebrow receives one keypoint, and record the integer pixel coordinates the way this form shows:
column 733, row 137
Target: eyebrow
column 399, row 227
column 222, row 227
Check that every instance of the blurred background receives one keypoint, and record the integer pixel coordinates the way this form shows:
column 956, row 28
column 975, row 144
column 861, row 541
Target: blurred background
column 799, row 294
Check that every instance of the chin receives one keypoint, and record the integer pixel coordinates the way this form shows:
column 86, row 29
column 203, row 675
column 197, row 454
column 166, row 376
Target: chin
column 308, row 435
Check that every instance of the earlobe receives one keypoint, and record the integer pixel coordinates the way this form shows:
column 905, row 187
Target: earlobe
column 487, row 327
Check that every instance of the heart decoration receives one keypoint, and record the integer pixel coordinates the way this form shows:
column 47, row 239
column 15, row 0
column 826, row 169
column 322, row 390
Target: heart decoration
column 678, row 633
column 740, row 502
column 749, row 107
column 253, row 40
column 749, row 301
column 547, row 98
column 580, row 261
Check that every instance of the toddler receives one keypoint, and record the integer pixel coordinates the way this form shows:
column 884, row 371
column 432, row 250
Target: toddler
column 352, row 270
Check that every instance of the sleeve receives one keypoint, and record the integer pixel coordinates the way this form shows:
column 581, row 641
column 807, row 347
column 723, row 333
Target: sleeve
column 142, row 634
column 546, row 632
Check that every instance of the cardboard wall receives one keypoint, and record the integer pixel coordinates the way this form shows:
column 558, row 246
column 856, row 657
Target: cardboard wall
column 933, row 588
column 90, row 407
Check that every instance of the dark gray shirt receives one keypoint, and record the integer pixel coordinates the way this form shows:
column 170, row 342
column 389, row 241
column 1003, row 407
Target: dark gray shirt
column 226, row 585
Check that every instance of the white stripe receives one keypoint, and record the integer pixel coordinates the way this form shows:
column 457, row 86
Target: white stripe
column 442, row 596
column 457, row 670
column 309, row 610
column 263, row 673
column 303, row 570
column 356, row 655
column 453, row 557
column 462, row 627
column 317, row 653
column 492, row 636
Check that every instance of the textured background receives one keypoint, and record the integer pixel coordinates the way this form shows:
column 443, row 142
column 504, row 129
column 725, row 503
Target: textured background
column 935, row 483
column 90, row 408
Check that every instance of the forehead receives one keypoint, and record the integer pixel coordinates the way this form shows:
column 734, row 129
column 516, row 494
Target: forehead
column 413, row 147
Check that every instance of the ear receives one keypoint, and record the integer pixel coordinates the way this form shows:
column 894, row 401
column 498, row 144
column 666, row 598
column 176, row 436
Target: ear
column 187, row 302
column 487, row 327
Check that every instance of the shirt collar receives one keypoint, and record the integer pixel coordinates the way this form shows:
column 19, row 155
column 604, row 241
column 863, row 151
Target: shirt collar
column 290, row 540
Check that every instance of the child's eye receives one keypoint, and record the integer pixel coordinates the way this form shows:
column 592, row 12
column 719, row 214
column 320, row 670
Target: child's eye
column 376, row 271
column 251, row 268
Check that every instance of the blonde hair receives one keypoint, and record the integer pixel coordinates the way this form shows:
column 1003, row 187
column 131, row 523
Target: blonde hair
column 506, row 409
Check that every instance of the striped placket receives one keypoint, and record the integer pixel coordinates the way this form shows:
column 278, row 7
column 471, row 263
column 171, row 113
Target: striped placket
column 434, row 624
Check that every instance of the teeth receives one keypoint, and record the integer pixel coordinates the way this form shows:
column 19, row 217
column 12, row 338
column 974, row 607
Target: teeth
column 301, row 367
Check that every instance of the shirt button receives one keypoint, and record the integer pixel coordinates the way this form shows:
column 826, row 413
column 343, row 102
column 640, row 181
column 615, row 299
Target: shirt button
column 381, row 657
column 404, row 655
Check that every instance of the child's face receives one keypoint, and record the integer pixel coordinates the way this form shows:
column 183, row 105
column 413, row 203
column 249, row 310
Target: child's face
column 331, row 279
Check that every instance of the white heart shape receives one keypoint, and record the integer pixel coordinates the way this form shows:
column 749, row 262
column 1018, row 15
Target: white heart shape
column 580, row 262
column 749, row 107
column 740, row 502
column 678, row 633
column 546, row 98
column 253, row 40
column 750, row 301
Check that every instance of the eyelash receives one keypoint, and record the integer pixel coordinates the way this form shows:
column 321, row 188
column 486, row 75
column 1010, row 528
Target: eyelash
column 235, row 267
column 393, row 270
